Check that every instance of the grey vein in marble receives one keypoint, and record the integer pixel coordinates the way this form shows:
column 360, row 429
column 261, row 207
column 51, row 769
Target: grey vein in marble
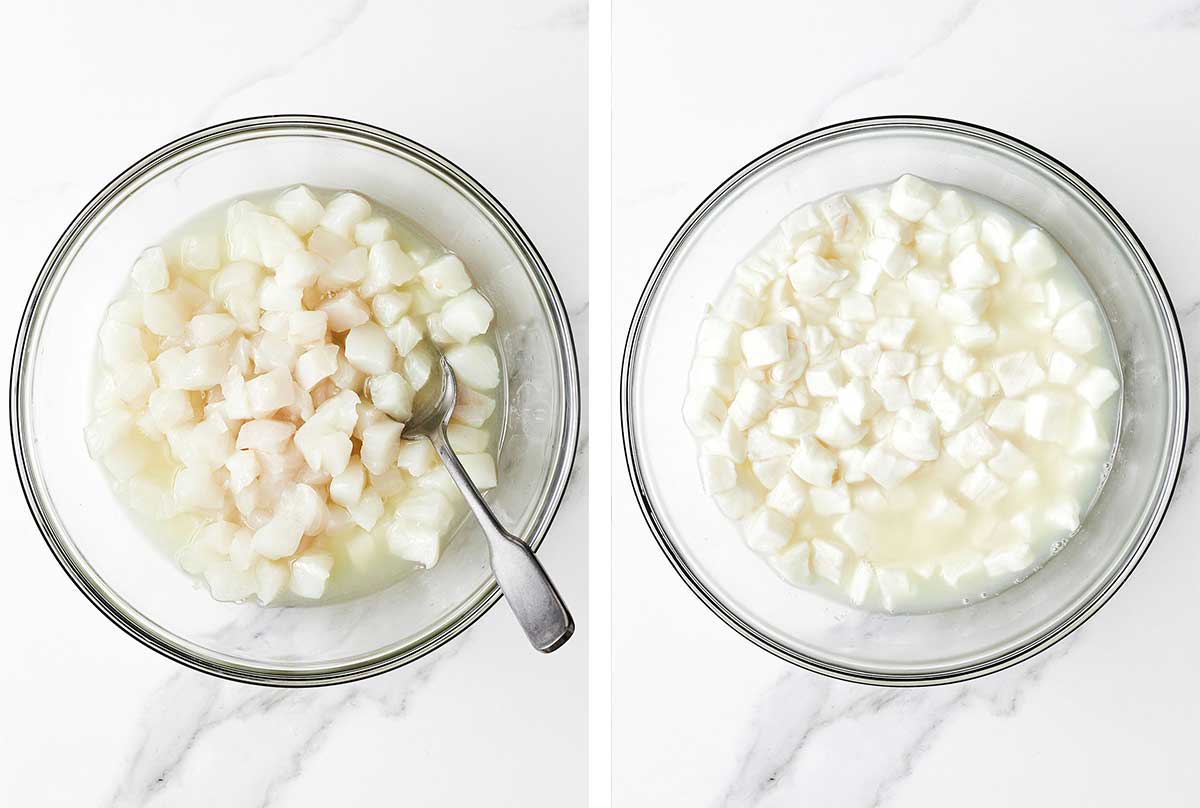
column 189, row 707
column 939, row 34
column 337, row 25
column 803, row 711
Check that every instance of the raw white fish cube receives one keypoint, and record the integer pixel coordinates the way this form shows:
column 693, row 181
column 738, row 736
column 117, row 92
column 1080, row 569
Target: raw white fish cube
column 328, row 244
column 931, row 244
column 405, row 334
column 862, row 578
column 195, row 488
column 914, row 435
column 310, row 573
column 1064, row 515
column 475, row 365
column 107, row 429
column 1097, row 386
column 997, row 235
column 957, row 363
column 824, row 381
column 717, row 473
column 389, row 266
column 945, row 512
column 1049, row 417
column 963, row 306
column 372, row 231
column 788, row 496
column 813, row 463
column 857, row 401
column 200, row 253
column 960, row 565
column 792, row 563
column 896, row 363
column 1078, row 329
column 150, row 273
column 891, row 332
column 886, row 467
column 389, row 307
column 893, row 392
column 982, row 384
column 300, row 269
column 973, row 337
column 1008, row 416
column 762, row 445
column 265, row 435
column 859, row 360
column 300, row 209
column 362, row 549
column 1018, row 373
column 850, row 464
column 381, row 445
column 895, row 259
column 830, row 501
column 481, row 468
column 911, row 197
column 198, row 369
column 316, row 364
column 954, row 408
column 1088, row 438
column 765, row 345
column 703, row 411
column 839, row 215
column 169, row 408
column 243, row 469
column 924, row 382
column 973, row 445
column 801, row 223
column 270, row 392
column 767, row 531
column 924, row 286
column 829, row 560
column 1008, row 560
column 445, row 277
column 1062, row 368
column 739, row 306
column 1034, row 251
column 729, row 441
column 391, row 393
column 343, row 212
column 1009, row 462
column 792, row 368
column 810, row 276
column 416, row 457
column 206, row 329
column 165, row 313
column 971, row 269
column 345, row 311
column 467, row 316
column 895, row 587
column 751, row 404
column 368, row 349
column 855, row 307
column 835, row 430
column 367, row 512
column 982, row 487
column 274, row 296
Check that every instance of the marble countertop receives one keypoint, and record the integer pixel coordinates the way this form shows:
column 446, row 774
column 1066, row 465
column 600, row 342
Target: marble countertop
column 1106, row 718
column 90, row 716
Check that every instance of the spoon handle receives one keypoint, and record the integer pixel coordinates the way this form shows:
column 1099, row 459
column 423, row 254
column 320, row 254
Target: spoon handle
column 527, row 588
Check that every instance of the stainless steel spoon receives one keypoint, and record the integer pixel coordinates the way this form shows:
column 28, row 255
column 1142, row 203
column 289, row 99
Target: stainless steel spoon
column 530, row 594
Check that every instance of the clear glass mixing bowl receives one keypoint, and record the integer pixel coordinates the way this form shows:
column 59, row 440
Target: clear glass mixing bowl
column 123, row 573
column 803, row 627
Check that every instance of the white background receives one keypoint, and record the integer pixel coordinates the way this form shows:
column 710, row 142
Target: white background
column 88, row 716
column 1107, row 718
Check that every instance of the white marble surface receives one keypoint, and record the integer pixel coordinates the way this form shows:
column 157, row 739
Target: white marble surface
column 703, row 718
column 89, row 716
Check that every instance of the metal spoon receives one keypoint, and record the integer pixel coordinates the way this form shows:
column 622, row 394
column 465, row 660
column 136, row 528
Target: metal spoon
column 530, row 594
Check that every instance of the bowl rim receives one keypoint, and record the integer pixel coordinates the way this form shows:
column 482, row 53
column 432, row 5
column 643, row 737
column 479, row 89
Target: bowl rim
column 1066, row 622
column 171, row 645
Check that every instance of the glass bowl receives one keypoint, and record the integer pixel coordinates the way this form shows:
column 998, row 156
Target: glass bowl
column 798, row 625
column 143, row 590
